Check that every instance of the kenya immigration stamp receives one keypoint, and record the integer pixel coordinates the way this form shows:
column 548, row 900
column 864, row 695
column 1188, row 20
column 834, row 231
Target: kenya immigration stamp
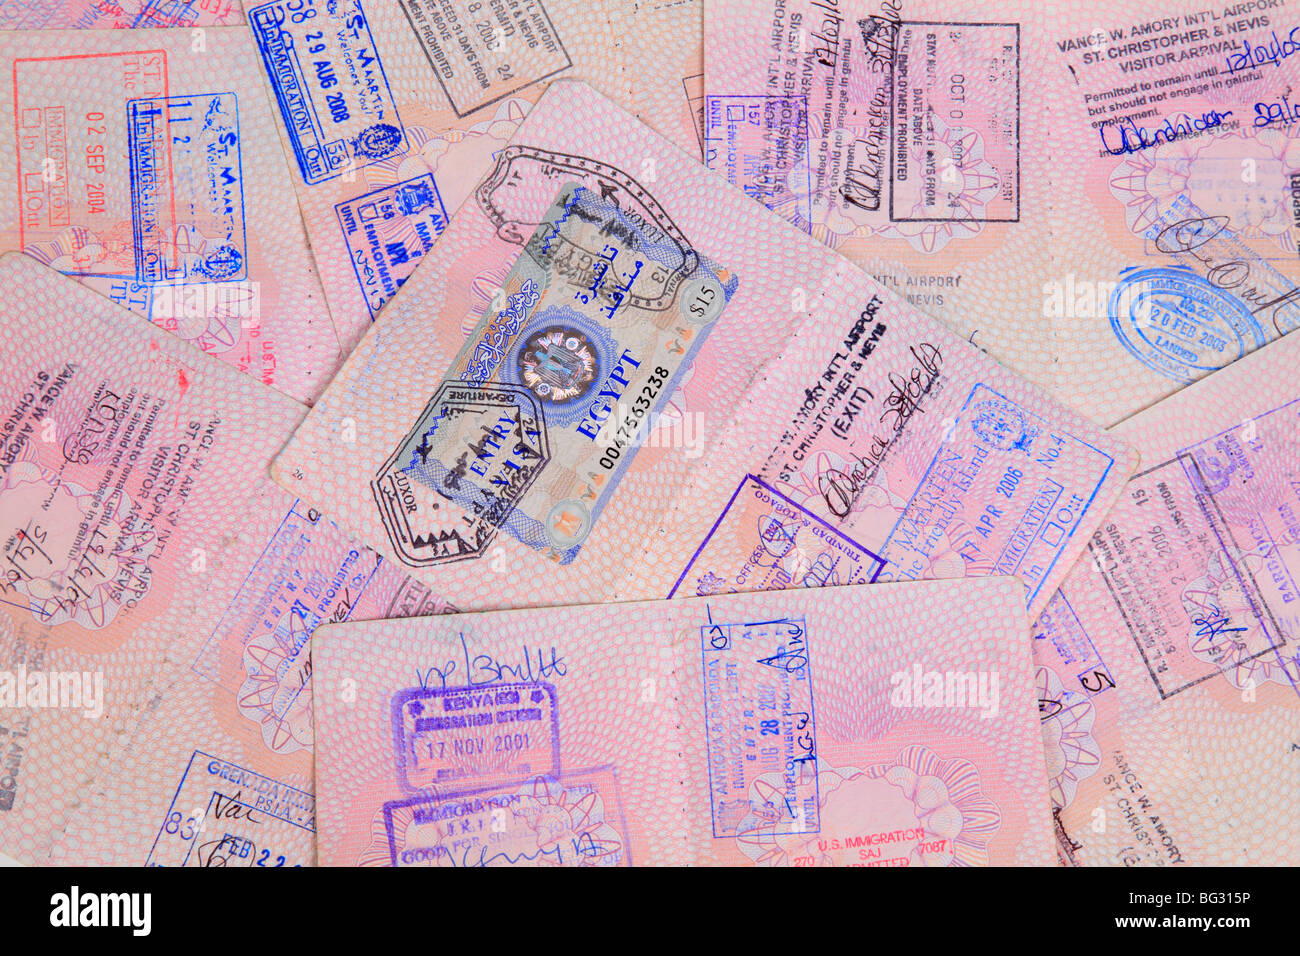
column 447, row 734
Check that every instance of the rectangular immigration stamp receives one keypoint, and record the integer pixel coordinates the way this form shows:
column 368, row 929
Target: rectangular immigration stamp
column 225, row 815
column 329, row 82
column 760, row 729
column 388, row 231
column 955, row 117
column 187, row 182
column 445, row 734
column 1027, row 485
column 757, row 142
column 764, row 541
column 69, row 122
column 1247, row 478
column 1188, row 567
column 575, row 819
column 178, row 13
column 308, row 574
column 482, row 52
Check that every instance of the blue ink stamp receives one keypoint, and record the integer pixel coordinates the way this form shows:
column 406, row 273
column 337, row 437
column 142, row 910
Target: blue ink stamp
column 388, row 231
column 1177, row 323
column 165, row 13
column 308, row 574
column 760, row 729
column 217, row 817
column 1220, row 301
column 759, row 143
column 330, row 84
column 187, row 189
column 1003, row 458
column 446, row 734
column 546, row 819
column 1060, row 626
column 785, row 545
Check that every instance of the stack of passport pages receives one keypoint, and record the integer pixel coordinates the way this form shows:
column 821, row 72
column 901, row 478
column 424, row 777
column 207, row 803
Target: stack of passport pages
column 718, row 432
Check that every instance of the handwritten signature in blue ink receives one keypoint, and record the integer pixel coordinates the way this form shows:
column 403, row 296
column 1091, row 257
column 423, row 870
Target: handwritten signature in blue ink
column 533, row 664
column 1133, row 138
column 584, row 846
column 1214, row 624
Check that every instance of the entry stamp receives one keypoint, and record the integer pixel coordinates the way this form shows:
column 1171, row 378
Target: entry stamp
column 760, row 727
column 446, row 734
column 764, row 541
column 504, row 427
column 224, row 815
column 69, row 121
column 483, row 52
column 545, row 820
column 1025, row 485
column 1179, row 324
column 759, row 142
column 1188, row 567
column 329, row 81
column 955, row 117
column 187, row 189
column 1218, row 301
column 388, row 231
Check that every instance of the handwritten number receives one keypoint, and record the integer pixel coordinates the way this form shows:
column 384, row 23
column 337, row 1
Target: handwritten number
column 1102, row 678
